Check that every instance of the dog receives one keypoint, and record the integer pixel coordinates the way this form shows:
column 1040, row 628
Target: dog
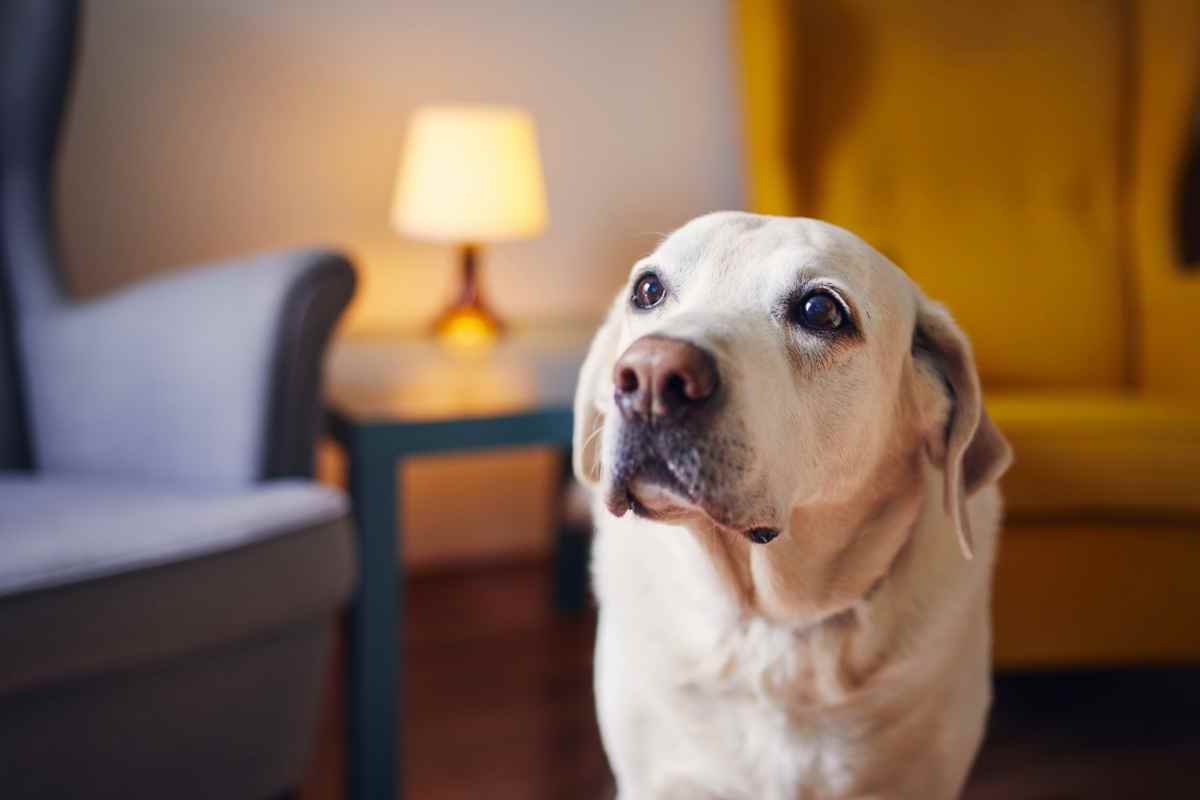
column 794, row 483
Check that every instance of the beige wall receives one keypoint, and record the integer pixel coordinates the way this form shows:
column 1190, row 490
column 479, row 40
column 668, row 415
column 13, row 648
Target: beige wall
column 207, row 128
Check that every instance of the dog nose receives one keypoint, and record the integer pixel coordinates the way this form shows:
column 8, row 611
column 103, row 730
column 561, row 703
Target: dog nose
column 659, row 378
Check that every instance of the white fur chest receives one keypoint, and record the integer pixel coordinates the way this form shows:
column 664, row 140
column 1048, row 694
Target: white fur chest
column 737, row 706
column 782, row 694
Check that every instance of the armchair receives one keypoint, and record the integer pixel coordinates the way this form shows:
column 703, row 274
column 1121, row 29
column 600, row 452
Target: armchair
column 1025, row 162
column 170, row 575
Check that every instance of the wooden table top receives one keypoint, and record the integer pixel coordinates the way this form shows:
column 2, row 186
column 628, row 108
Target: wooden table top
column 414, row 378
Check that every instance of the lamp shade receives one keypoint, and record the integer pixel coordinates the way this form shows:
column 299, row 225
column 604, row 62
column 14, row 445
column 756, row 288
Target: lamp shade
column 470, row 174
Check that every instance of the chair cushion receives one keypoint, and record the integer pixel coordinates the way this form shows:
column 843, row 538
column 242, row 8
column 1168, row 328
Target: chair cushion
column 95, row 576
column 63, row 531
column 1107, row 454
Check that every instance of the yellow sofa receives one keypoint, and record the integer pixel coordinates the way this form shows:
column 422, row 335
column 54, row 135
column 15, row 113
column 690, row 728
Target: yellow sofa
column 1021, row 161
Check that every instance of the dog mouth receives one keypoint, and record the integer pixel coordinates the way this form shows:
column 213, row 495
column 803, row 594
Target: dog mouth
column 674, row 488
column 652, row 491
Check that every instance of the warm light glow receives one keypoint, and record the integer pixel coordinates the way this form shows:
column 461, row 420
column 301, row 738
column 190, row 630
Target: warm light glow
column 467, row 331
column 470, row 174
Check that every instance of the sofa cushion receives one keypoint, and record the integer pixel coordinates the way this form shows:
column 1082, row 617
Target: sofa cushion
column 1102, row 454
column 97, row 577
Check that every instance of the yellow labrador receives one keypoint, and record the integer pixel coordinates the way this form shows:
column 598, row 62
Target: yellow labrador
column 794, row 482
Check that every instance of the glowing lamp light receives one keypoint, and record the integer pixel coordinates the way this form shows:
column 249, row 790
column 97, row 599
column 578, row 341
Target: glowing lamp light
column 470, row 175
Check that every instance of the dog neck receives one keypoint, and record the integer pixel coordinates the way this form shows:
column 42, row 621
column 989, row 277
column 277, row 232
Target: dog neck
column 831, row 556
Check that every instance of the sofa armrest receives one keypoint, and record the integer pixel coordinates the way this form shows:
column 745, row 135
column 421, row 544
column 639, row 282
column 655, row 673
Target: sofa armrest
column 208, row 376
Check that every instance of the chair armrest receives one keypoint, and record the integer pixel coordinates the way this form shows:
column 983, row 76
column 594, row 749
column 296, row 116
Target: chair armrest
column 209, row 376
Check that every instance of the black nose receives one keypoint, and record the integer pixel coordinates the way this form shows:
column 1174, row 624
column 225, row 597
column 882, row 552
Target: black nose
column 659, row 378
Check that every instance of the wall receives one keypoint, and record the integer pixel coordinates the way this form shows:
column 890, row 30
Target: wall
column 208, row 128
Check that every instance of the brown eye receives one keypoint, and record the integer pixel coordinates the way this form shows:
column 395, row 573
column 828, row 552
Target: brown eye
column 819, row 311
column 648, row 291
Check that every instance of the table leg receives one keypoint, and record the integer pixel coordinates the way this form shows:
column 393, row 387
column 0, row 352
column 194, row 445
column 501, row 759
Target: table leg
column 374, row 673
column 573, row 549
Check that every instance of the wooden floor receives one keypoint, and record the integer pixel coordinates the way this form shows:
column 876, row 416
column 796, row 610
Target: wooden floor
column 500, row 707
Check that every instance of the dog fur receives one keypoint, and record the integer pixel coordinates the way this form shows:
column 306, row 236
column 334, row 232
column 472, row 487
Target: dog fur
column 850, row 656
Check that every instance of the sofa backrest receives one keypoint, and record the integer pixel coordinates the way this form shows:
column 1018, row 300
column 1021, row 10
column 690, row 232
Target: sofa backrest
column 986, row 147
column 37, row 42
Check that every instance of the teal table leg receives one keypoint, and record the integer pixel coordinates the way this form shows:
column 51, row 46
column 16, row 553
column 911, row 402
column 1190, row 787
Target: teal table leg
column 373, row 672
column 573, row 549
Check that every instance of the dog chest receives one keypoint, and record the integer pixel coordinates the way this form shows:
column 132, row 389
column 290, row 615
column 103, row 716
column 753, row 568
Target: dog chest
column 786, row 702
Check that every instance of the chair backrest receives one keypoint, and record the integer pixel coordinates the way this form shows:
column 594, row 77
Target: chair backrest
column 986, row 147
column 37, row 43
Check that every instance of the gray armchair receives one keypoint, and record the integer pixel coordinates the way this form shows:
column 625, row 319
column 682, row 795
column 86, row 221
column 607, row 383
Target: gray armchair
column 170, row 575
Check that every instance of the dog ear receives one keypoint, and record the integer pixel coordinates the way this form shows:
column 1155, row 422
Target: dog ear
column 595, row 376
column 972, row 451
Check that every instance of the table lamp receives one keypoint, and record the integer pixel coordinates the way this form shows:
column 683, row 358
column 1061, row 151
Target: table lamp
column 470, row 175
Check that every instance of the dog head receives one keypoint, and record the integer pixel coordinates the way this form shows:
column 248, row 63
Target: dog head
column 753, row 366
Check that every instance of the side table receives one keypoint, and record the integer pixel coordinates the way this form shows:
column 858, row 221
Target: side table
column 395, row 397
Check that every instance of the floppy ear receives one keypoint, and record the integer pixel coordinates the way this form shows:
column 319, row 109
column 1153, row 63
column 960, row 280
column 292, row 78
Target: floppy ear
column 595, row 378
column 973, row 452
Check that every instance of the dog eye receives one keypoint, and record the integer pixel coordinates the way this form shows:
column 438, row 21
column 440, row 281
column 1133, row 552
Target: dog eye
column 648, row 291
column 818, row 311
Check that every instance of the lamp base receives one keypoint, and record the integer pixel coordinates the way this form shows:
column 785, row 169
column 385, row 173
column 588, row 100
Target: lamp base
column 468, row 320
